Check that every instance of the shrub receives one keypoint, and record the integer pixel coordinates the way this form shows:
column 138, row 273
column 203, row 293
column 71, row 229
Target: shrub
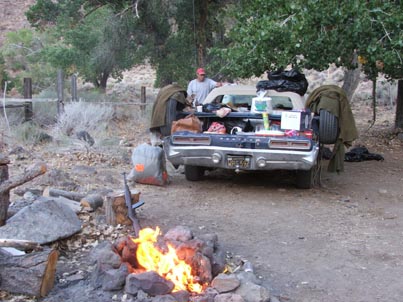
column 82, row 116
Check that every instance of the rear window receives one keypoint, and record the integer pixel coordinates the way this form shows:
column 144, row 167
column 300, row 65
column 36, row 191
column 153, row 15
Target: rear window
column 278, row 102
column 238, row 100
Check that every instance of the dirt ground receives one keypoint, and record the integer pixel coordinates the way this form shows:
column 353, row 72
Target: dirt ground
column 338, row 242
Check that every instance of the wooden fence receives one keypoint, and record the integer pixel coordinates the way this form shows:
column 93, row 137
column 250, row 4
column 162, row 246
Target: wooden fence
column 27, row 102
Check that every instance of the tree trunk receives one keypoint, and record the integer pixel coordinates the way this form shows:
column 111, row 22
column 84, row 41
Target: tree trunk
column 352, row 78
column 104, row 80
column 399, row 105
column 201, row 33
column 351, row 82
column 373, row 102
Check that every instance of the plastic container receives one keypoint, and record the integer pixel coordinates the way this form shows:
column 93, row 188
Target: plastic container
column 265, row 116
column 261, row 105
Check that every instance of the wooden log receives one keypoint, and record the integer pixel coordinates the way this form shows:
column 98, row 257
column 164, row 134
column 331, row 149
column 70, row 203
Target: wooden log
column 32, row 172
column 24, row 245
column 30, row 274
column 4, row 196
column 51, row 192
column 7, row 184
column 116, row 209
column 93, row 201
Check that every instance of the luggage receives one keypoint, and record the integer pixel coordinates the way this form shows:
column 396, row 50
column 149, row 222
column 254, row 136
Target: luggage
column 190, row 123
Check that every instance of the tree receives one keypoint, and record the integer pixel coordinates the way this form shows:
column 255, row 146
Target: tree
column 103, row 37
column 314, row 34
column 22, row 55
column 90, row 39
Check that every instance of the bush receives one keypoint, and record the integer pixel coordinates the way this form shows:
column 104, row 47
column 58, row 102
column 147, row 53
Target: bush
column 82, row 116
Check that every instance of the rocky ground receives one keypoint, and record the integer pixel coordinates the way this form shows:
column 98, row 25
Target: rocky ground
column 340, row 241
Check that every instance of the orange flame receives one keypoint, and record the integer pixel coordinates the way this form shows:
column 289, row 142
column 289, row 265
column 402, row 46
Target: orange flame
column 167, row 265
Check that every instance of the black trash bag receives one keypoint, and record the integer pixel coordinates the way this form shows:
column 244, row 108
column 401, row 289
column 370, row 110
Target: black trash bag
column 358, row 154
column 284, row 80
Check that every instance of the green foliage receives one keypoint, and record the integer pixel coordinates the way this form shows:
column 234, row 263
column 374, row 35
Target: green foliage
column 97, row 39
column 90, row 39
column 22, row 53
column 314, row 34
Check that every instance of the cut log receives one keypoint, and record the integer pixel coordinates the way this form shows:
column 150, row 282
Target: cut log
column 116, row 209
column 24, row 245
column 93, row 201
column 51, row 192
column 30, row 274
column 7, row 184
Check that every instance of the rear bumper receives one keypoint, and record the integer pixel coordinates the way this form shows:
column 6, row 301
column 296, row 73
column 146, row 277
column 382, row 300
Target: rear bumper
column 273, row 159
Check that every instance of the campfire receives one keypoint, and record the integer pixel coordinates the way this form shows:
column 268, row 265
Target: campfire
column 175, row 262
column 166, row 264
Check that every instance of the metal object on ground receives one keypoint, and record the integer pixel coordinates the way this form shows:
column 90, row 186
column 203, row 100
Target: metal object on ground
column 131, row 208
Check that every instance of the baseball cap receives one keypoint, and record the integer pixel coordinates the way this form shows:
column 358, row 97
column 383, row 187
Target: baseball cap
column 200, row 71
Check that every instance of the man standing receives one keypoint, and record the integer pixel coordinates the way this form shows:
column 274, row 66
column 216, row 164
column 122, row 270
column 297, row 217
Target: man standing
column 199, row 88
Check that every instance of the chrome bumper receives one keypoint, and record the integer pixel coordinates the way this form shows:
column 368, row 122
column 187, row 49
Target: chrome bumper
column 274, row 159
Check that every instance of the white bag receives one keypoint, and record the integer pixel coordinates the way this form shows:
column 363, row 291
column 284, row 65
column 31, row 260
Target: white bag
column 149, row 165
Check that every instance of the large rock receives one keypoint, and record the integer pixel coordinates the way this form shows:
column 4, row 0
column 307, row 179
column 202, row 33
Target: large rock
column 225, row 283
column 149, row 282
column 44, row 221
column 252, row 292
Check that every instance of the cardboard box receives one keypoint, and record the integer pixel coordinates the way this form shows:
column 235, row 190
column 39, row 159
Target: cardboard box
column 295, row 120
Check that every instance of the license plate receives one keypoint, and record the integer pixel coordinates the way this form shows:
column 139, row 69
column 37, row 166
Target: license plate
column 242, row 162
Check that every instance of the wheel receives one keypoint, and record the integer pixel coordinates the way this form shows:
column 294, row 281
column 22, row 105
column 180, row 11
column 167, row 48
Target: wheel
column 306, row 179
column 170, row 115
column 194, row 173
column 328, row 127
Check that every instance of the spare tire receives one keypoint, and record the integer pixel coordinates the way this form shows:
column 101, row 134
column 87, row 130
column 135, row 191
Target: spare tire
column 328, row 127
column 173, row 106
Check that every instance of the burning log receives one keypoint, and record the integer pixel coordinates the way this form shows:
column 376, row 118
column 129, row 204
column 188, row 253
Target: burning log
column 30, row 274
column 7, row 184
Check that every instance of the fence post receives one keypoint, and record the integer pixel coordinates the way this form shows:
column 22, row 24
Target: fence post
column 74, row 88
column 60, row 91
column 143, row 99
column 28, row 108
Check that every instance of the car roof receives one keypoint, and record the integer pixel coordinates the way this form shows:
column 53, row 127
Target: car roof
column 230, row 89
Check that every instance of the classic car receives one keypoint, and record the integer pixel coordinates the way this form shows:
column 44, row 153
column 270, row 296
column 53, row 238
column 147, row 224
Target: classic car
column 284, row 135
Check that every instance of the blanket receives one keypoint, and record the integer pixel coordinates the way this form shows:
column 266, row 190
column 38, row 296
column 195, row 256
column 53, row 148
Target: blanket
column 160, row 105
column 334, row 99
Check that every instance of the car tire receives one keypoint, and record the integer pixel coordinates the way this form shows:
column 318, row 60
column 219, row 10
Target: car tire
column 170, row 116
column 328, row 127
column 194, row 173
column 305, row 179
